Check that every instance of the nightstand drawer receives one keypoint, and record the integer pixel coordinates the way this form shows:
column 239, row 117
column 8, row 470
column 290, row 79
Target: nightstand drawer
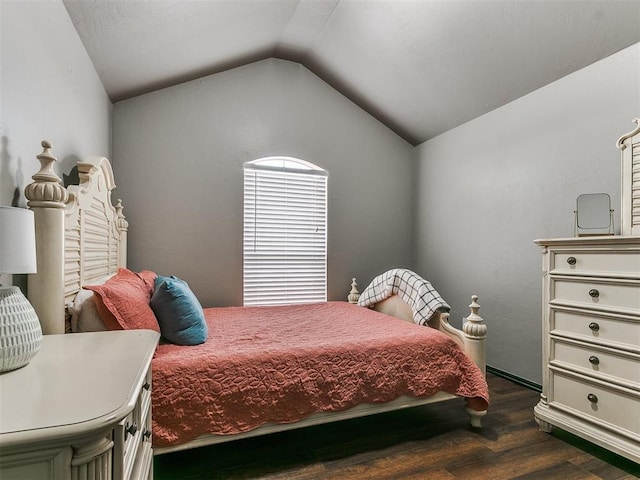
column 605, row 407
column 132, row 438
column 143, row 407
column 127, row 438
column 600, row 263
column 601, row 363
column 614, row 331
column 616, row 296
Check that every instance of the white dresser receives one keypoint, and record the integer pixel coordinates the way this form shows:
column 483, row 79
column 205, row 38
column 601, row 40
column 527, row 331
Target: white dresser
column 591, row 340
column 80, row 410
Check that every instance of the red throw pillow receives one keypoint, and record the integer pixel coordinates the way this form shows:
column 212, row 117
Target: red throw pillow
column 149, row 279
column 123, row 302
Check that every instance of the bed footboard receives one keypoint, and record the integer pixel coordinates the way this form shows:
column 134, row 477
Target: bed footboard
column 471, row 338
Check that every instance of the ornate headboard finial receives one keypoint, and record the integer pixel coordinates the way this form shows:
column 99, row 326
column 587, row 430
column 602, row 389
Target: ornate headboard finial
column 47, row 160
column 122, row 221
column 46, row 186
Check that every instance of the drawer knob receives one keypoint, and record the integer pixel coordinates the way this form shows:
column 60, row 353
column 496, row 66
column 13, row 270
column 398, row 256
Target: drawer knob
column 146, row 386
column 593, row 293
column 130, row 430
column 593, row 360
column 594, row 326
column 571, row 260
column 592, row 398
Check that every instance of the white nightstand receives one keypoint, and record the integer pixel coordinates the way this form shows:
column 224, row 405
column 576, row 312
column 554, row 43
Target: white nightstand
column 81, row 409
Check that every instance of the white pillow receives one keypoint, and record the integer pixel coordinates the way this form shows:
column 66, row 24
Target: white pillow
column 84, row 313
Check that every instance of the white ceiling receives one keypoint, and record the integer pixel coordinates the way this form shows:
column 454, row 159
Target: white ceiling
column 420, row 66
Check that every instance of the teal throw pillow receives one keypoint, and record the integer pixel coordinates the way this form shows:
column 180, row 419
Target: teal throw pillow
column 178, row 311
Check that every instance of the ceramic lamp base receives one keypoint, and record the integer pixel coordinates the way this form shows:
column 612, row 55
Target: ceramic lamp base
column 20, row 332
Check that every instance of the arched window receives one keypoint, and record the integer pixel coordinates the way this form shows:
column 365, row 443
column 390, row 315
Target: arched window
column 285, row 232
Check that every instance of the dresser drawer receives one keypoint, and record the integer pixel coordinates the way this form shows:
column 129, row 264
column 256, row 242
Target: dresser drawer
column 613, row 331
column 614, row 410
column 621, row 296
column 605, row 364
column 624, row 264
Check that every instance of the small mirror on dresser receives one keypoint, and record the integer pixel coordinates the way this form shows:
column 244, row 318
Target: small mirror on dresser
column 594, row 215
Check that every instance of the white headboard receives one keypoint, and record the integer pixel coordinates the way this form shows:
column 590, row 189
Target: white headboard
column 80, row 236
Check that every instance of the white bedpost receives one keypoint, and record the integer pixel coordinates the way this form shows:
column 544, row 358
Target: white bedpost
column 475, row 332
column 47, row 198
column 122, row 226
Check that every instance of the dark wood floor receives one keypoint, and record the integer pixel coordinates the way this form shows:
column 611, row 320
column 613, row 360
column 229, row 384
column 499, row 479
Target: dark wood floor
column 430, row 442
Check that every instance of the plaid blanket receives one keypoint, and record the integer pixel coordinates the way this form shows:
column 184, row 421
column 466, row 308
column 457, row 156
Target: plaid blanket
column 418, row 293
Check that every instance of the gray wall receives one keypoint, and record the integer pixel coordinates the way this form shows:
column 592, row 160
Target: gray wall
column 486, row 190
column 50, row 90
column 178, row 156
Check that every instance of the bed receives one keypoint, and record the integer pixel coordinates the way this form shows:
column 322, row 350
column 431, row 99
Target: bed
column 81, row 241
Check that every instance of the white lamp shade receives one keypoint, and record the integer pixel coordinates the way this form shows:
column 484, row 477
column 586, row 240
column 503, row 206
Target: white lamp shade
column 17, row 240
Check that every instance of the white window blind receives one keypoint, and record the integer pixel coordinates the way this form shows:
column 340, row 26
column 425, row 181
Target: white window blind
column 285, row 233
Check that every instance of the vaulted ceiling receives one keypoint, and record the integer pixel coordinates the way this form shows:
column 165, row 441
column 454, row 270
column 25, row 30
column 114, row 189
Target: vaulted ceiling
column 420, row 66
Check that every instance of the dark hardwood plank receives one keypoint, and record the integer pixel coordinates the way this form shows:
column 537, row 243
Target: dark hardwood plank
column 433, row 442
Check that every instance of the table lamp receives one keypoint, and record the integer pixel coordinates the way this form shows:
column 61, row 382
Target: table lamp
column 20, row 332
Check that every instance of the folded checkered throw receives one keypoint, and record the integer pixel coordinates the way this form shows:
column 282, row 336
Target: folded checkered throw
column 418, row 293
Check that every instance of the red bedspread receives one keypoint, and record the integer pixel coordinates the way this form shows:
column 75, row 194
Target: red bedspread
column 280, row 364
